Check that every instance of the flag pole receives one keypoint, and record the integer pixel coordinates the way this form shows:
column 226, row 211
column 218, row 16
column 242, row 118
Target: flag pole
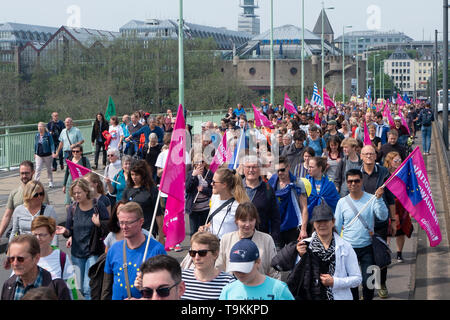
column 151, row 225
column 105, row 177
column 198, row 192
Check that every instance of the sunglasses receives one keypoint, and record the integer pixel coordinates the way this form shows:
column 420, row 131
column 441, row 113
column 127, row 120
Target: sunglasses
column 201, row 253
column 215, row 182
column 281, row 170
column 147, row 293
column 354, row 181
column 37, row 194
column 19, row 259
column 76, row 151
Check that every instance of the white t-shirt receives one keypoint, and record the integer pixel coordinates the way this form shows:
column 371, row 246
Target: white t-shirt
column 161, row 162
column 116, row 132
column 223, row 222
column 52, row 264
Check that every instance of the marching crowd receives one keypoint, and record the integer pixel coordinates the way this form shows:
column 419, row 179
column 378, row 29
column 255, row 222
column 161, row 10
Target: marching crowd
column 276, row 222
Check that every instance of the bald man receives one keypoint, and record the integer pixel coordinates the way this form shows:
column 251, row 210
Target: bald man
column 69, row 138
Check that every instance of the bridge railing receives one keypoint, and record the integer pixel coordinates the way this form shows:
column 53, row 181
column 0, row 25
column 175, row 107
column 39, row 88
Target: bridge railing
column 17, row 142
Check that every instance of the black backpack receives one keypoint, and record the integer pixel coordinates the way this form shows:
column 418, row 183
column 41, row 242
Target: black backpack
column 427, row 117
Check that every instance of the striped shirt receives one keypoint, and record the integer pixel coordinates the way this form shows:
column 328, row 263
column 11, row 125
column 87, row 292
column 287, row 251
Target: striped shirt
column 199, row 290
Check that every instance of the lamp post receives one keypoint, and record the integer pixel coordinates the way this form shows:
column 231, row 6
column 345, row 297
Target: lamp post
column 374, row 82
column 181, row 57
column 357, row 66
column 445, row 76
column 323, row 55
column 343, row 62
column 381, row 75
column 303, row 53
column 272, row 80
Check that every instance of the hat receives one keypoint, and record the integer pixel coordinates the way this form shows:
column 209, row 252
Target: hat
column 322, row 212
column 243, row 255
column 332, row 122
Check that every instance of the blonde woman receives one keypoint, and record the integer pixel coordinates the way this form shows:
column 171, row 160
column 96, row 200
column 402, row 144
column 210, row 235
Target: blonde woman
column 228, row 193
column 32, row 207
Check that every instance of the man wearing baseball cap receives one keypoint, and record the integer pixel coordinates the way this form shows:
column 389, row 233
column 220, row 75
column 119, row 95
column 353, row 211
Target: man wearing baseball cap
column 250, row 283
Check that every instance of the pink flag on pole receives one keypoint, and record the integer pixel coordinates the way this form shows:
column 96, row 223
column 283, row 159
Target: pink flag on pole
column 367, row 140
column 173, row 183
column 76, row 171
column 221, row 156
column 410, row 184
column 260, row 119
column 316, row 117
column 327, row 100
column 404, row 123
column 288, row 104
column 307, row 101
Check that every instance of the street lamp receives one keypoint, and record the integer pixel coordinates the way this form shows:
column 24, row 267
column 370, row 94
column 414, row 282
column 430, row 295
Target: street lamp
column 303, row 53
column 343, row 62
column 181, row 57
column 272, row 80
column 374, row 82
column 357, row 66
column 381, row 75
column 323, row 56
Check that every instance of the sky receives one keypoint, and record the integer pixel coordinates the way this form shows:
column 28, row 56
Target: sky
column 416, row 18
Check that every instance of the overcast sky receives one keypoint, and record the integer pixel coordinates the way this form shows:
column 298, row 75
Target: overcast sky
column 416, row 18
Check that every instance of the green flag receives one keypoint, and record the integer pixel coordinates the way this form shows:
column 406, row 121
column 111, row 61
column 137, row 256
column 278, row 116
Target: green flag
column 110, row 110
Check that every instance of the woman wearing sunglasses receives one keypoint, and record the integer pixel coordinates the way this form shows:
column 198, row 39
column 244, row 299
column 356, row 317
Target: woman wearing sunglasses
column 205, row 281
column 32, row 207
column 404, row 226
column 78, row 158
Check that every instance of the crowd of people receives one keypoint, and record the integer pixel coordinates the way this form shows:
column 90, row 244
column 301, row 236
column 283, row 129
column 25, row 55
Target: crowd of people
column 274, row 223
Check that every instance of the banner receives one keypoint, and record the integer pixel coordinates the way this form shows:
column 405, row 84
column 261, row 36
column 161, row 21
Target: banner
column 173, row 183
column 367, row 140
column 288, row 104
column 110, row 109
column 260, row 119
column 411, row 186
column 221, row 156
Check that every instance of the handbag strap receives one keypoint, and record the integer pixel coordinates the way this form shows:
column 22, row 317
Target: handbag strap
column 352, row 206
column 125, row 267
column 219, row 209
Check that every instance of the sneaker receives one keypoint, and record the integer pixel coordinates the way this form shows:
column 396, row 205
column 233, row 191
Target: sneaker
column 383, row 292
column 178, row 248
column 399, row 257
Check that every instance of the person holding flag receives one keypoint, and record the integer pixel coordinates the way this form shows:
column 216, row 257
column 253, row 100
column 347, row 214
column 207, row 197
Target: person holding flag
column 78, row 158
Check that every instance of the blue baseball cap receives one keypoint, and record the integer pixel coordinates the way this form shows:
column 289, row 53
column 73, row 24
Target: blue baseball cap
column 243, row 255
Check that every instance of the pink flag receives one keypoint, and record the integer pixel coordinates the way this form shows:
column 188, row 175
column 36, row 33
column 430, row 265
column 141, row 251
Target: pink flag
column 404, row 123
column 288, row 104
column 387, row 114
column 410, row 184
column 76, row 171
column 221, row 156
column 367, row 140
column 260, row 119
column 307, row 101
column 316, row 117
column 327, row 100
column 173, row 183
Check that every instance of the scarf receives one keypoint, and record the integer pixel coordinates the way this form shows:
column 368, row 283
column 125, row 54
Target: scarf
column 327, row 262
column 328, row 193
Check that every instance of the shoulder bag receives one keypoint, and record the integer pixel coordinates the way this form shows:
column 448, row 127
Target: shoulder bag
column 381, row 250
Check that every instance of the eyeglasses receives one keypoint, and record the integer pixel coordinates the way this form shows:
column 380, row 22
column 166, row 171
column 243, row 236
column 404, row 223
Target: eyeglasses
column 214, row 182
column 201, row 253
column 281, row 170
column 397, row 160
column 126, row 223
column 110, row 155
column 368, row 154
column 41, row 235
column 354, row 181
column 37, row 194
column 76, row 151
column 251, row 167
column 19, row 259
column 147, row 293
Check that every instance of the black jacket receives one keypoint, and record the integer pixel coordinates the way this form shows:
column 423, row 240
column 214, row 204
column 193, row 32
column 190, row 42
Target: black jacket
column 191, row 189
column 58, row 285
column 96, row 128
column 269, row 214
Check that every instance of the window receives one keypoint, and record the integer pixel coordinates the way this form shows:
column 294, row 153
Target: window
column 293, row 71
column 252, row 71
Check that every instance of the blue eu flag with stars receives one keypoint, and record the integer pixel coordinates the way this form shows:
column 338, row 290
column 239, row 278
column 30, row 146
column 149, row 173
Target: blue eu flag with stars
column 408, row 176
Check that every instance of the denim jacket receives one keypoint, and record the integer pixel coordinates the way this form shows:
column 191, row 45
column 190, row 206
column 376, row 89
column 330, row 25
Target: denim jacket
column 48, row 145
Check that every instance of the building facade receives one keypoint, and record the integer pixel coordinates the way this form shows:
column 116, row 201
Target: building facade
column 248, row 21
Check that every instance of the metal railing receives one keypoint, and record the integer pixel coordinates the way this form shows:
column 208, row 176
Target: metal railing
column 17, row 142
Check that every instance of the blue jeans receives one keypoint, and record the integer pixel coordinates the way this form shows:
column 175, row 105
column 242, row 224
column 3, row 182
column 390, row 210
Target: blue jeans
column 426, row 138
column 365, row 259
column 81, row 267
